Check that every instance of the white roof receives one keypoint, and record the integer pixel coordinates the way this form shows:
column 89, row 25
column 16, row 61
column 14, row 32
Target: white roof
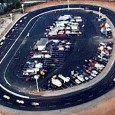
column 47, row 56
column 80, row 77
column 61, row 48
column 62, row 24
column 36, row 69
column 61, row 32
column 65, row 79
column 68, row 32
column 77, row 81
column 56, row 41
column 78, row 18
column 74, row 27
column 65, row 17
column 51, row 33
column 29, row 70
column 109, row 48
column 107, row 25
column 68, row 27
column 38, row 56
column 108, row 29
column 103, row 29
column 38, row 65
column 56, row 82
column 42, row 42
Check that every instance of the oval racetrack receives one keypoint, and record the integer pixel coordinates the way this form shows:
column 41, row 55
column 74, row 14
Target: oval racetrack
column 14, row 43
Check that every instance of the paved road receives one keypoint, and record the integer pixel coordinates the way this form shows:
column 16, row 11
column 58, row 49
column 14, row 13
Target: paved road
column 55, row 102
column 37, row 31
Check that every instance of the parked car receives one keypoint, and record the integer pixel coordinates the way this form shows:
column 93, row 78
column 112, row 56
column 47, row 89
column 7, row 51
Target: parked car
column 65, row 79
column 56, row 81
column 77, row 81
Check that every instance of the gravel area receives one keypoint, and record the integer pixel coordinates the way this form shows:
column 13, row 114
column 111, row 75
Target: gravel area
column 110, row 5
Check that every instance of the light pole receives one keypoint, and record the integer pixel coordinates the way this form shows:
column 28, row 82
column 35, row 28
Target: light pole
column 36, row 77
column 68, row 4
column 11, row 17
column 99, row 12
column 22, row 8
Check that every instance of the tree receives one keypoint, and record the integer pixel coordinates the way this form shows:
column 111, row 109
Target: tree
column 16, row 3
column 2, row 1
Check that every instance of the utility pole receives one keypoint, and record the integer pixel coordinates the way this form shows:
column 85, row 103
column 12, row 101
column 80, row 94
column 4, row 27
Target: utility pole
column 11, row 17
column 99, row 12
column 68, row 4
column 36, row 77
column 22, row 5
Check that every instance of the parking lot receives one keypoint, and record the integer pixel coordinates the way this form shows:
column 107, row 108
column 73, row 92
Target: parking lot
column 62, row 62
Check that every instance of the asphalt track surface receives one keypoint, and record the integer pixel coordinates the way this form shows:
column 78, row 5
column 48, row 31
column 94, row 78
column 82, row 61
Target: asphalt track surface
column 36, row 32
column 45, row 103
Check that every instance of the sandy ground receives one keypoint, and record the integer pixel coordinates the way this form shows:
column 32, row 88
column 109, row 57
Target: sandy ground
column 104, row 105
column 110, row 5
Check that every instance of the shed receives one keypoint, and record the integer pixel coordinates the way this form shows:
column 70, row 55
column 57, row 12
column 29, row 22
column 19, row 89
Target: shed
column 42, row 43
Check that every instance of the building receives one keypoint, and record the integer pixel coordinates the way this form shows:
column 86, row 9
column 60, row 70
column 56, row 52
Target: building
column 41, row 44
column 7, row 5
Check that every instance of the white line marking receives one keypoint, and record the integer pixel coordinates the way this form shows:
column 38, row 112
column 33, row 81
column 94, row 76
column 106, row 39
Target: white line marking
column 21, row 44
column 6, row 80
column 14, row 55
column 14, row 92
column 26, row 27
column 18, row 49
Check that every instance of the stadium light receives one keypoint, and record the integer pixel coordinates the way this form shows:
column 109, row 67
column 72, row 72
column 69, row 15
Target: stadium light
column 36, row 77
column 22, row 8
column 99, row 12
column 11, row 17
column 68, row 4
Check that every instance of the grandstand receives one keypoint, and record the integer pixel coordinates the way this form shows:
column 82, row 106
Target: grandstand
column 33, row 1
